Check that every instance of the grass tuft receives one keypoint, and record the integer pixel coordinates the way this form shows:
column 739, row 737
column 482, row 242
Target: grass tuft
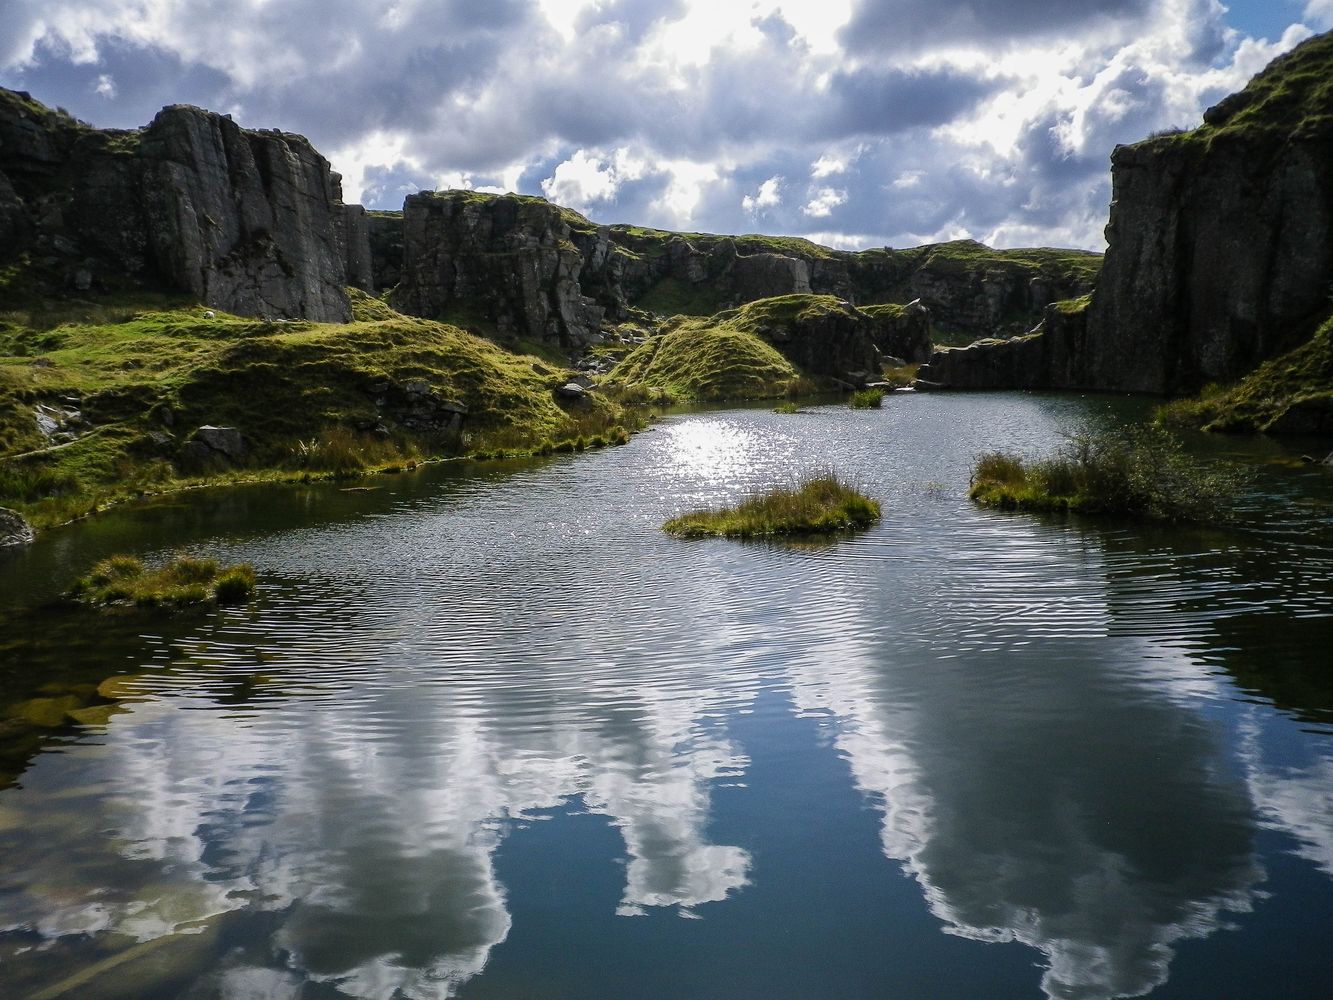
column 1138, row 470
column 867, row 399
column 183, row 582
column 820, row 505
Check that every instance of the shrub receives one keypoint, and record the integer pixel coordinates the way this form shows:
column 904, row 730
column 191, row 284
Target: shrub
column 235, row 585
column 1140, row 470
column 867, row 399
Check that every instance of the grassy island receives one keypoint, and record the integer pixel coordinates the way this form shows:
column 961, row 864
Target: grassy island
column 1141, row 471
column 820, row 505
column 183, row 582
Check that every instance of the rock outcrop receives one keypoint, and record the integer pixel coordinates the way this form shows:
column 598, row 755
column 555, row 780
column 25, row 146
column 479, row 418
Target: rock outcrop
column 1054, row 356
column 1220, row 252
column 532, row 270
column 1220, row 241
column 901, row 331
column 251, row 222
column 508, row 261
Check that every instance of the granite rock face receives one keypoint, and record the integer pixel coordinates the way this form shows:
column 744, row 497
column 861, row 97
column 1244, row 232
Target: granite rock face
column 251, row 222
column 534, row 270
column 1220, row 251
column 511, row 259
column 823, row 336
column 1054, row 356
column 901, row 331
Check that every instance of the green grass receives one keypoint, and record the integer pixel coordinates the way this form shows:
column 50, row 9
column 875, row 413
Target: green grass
column 819, row 505
column 183, row 582
column 1135, row 470
column 1291, row 98
column 787, row 407
column 1259, row 401
column 302, row 395
column 727, row 355
column 675, row 297
column 708, row 359
column 867, row 399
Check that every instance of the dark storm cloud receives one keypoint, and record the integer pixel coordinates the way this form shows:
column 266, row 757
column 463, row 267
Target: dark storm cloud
column 882, row 102
column 888, row 25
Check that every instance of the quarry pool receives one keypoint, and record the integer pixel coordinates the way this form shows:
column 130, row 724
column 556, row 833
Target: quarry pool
column 488, row 732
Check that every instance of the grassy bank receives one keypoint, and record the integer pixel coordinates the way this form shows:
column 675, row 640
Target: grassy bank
column 123, row 385
column 1139, row 470
column 819, row 505
column 1290, row 393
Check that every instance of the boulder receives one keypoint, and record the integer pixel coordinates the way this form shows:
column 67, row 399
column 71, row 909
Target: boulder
column 14, row 529
column 223, row 445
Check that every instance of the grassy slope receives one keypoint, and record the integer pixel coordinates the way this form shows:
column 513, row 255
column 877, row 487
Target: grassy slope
column 1263, row 396
column 724, row 356
column 280, row 384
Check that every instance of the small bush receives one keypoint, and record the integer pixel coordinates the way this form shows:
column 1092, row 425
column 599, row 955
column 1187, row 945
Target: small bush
column 787, row 408
column 1139, row 470
column 235, row 585
column 820, row 505
column 867, row 399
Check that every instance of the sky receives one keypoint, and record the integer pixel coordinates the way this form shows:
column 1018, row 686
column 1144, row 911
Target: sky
column 855, row 123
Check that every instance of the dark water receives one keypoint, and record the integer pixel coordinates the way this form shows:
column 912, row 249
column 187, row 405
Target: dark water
column 489, row 733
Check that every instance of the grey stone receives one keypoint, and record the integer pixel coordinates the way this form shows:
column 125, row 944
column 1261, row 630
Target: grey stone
column 225, row 441
column 14, row 529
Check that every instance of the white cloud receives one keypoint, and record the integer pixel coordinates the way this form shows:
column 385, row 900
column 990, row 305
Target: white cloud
column 827, row 166
column 1320, row 13
column 581, row 181
column 823, row 203
column 768, row 196
column 692, row 104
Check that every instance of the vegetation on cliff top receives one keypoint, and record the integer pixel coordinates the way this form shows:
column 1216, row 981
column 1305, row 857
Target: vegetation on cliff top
column 1292, row 392
column 1291, row 97
column 819, row 505
column 1136, row 470
column 127, row 387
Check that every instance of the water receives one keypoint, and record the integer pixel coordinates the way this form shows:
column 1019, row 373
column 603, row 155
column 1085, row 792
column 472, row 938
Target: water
column 488, row 732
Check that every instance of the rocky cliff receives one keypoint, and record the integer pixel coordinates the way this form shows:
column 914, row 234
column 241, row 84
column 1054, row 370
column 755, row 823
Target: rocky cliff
column 535, row 270
column 1220, row 241
column 249, row 222
column 1220, row 250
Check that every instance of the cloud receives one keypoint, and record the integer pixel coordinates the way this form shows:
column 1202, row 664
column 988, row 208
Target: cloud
column 877, row 26
column 1320, row 13
column 1002, row 113
column 823, row 203
column 766, row 197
